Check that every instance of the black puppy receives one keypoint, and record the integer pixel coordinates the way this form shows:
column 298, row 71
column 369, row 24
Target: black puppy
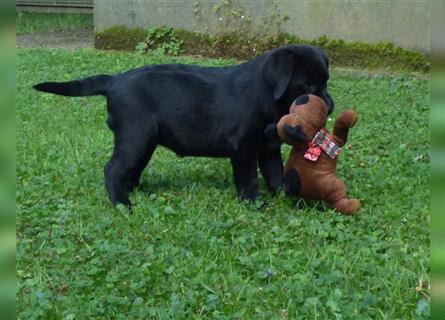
column 199, row 111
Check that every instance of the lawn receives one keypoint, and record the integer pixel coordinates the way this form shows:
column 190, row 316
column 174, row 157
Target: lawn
column 190, row 249
column 29, row 22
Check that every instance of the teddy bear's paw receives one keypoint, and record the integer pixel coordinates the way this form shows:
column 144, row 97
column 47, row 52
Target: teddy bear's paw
column 350, row 118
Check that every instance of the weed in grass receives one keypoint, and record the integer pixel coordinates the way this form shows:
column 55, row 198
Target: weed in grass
column 356, row 54
column 163, row 39
column 128, row 38
column 190, row 249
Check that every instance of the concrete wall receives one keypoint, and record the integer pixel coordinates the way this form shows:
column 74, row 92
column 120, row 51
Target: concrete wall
column 438, row 28
column 405, row 23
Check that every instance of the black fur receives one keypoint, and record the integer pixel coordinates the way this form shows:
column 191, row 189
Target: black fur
column 271, row 131
column 96, row 85
column 203, row 111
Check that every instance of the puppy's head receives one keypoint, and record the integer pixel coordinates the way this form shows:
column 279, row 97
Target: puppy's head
column 294, row 70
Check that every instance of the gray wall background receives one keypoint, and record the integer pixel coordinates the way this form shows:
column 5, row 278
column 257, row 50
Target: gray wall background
column 404, row 23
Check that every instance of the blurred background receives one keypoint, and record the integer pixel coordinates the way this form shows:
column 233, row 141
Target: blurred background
column 7, row 160
column 438, row 159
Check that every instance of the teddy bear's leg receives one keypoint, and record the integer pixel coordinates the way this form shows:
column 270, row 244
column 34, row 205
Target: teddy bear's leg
column 338, row 200
column 292, row 182
column 346, row 206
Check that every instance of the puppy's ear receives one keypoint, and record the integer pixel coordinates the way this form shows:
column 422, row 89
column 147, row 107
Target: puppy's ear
column 278, row 71
column 324, row 56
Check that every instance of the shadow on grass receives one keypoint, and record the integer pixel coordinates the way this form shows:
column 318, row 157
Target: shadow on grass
column 189, row 182
column 186, row 182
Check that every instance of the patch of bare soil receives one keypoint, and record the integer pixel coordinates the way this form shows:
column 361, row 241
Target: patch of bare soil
column 66, row 39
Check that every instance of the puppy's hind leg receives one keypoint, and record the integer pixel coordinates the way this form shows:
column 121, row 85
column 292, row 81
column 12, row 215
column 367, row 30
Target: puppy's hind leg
column 134, row 146
column 140, row 166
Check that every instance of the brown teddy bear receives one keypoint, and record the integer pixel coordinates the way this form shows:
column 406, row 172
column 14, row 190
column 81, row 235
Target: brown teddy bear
column 310, row 171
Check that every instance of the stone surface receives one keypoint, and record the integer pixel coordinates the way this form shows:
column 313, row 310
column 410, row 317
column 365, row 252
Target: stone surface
column 405, row 23
column 67, row 39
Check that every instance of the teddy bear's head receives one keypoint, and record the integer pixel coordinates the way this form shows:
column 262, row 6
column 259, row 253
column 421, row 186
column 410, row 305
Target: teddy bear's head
column 308, row 113
column 312, row 110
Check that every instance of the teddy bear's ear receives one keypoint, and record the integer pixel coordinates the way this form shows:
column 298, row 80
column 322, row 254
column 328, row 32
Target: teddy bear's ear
column 278, row 71
column 302, row 99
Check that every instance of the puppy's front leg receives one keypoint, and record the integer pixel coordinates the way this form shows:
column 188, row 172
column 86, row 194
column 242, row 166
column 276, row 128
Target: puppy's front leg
column 244, row 165
column 271, row 165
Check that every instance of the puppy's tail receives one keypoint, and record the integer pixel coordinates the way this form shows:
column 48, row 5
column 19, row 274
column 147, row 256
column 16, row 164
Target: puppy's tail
column 91, row 86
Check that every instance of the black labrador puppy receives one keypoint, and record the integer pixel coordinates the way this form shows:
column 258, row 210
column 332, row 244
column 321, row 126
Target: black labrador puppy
column 203, row 111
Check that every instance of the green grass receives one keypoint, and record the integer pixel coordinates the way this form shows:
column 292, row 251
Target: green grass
column 190, row 249
column 29, row 22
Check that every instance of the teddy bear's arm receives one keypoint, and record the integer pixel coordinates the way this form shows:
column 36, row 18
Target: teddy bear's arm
column 344, row 122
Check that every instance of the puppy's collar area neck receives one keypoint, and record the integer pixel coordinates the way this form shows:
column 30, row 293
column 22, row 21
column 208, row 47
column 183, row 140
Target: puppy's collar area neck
column 322, row 142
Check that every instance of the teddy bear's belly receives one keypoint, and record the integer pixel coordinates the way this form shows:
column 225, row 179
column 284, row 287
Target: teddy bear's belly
column 317, row 178
column 316, row 187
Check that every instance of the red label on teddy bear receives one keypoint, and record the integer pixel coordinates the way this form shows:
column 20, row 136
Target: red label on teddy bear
column 313, row 152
